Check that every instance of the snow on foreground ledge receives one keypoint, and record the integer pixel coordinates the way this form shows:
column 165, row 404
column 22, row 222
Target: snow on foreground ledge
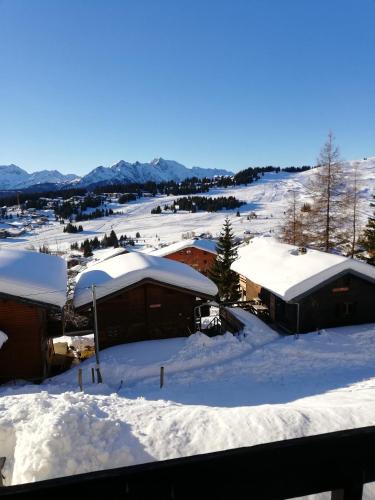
column 218, row 398
column 3, row 338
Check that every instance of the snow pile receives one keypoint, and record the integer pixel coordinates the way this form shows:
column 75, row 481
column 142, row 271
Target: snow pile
column 256, row 332
column 3, row 338
column 125, row 270
column 219, row 393
column 62, row 435
column 141, row 361
column 288, row 273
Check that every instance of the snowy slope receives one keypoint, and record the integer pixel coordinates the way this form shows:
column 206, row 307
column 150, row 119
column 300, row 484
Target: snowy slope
column 219, row 393
column 266, row 197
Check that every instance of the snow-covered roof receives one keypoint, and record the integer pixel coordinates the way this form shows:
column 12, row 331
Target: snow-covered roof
column 105, row 254
column 286, row 272
column 124, row 270
column 35, row 276
column 202, row 244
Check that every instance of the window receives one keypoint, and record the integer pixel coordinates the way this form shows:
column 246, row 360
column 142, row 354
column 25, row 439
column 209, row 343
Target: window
column 345, row 309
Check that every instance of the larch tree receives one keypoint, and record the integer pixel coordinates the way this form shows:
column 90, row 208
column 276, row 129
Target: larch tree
column 294, row 222
column 226, row 280
column 352, row 208
column 368, row 240
column 325, row 189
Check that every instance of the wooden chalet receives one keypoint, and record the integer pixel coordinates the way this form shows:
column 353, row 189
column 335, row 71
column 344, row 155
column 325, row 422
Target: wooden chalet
column 197, row 253
column 141, row 297
column 32, row 293
column 303, row 289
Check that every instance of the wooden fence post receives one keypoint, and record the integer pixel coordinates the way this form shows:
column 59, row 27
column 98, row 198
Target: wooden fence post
column 80, row 379
column 161, row 376
column 99, row 376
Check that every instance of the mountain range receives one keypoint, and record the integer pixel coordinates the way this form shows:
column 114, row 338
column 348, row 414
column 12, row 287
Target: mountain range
column 158, row 170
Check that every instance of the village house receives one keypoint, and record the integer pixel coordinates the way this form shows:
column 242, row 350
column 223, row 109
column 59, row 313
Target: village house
column 303, row 289
column 141, row 297
column 32, row 291
column 197, row 253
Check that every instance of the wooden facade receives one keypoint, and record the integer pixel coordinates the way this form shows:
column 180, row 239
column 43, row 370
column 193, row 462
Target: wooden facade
column 200, row 260
column 346, row 299
column 148, row 310
column 249, row 289
column 28, row 351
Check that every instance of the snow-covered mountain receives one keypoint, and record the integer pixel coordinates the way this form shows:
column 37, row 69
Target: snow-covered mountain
column 13, row 177
column 157, row 170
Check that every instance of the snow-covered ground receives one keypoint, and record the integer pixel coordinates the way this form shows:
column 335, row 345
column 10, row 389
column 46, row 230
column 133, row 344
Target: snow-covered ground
column 219, row 393
column 267, row 197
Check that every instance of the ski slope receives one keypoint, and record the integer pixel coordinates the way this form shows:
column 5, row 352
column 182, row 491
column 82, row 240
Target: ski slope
column 267, row 198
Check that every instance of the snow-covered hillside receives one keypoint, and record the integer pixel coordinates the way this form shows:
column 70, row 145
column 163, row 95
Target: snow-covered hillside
column 266, row 197
column 220, row 393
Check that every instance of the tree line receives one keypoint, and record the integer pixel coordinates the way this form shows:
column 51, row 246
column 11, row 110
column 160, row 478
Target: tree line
column 195, row 203
column 89, row 245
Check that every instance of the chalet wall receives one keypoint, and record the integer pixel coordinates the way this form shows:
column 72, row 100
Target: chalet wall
column 147, row 312
column 252, row 290
column 348, row 300
column 26, row 352
column 199, row 259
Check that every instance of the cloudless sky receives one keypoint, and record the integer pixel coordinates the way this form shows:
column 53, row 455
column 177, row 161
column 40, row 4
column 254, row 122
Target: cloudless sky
column 214, row 83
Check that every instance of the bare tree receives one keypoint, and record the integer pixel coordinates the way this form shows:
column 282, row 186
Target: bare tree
column 293, row 223
column 326, row 190
column 352, row 201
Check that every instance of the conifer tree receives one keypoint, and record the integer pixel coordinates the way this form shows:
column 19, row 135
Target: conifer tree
column 87, row 251
column 226, row 280
column 112, row 240
column 369, row 238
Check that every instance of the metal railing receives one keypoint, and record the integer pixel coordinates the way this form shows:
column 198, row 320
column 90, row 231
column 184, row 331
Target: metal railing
column 340, row 462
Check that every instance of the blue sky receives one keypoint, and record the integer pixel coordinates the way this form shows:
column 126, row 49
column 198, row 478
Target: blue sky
column 214, row 83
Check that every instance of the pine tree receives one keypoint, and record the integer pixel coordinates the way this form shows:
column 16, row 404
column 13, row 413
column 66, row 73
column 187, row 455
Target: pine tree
column 226, row 280
column 112, row 240
column 369, row 238
column 87, row 252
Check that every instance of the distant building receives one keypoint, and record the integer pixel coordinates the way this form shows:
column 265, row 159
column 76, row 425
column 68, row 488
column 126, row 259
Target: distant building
column 32, row 290
column 141, row 297
column 197, row 253
column 306, row 289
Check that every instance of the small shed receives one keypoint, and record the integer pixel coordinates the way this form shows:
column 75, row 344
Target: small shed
column 199, row 253
column 305, row 289
column 141, row 297
column 32, row 292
